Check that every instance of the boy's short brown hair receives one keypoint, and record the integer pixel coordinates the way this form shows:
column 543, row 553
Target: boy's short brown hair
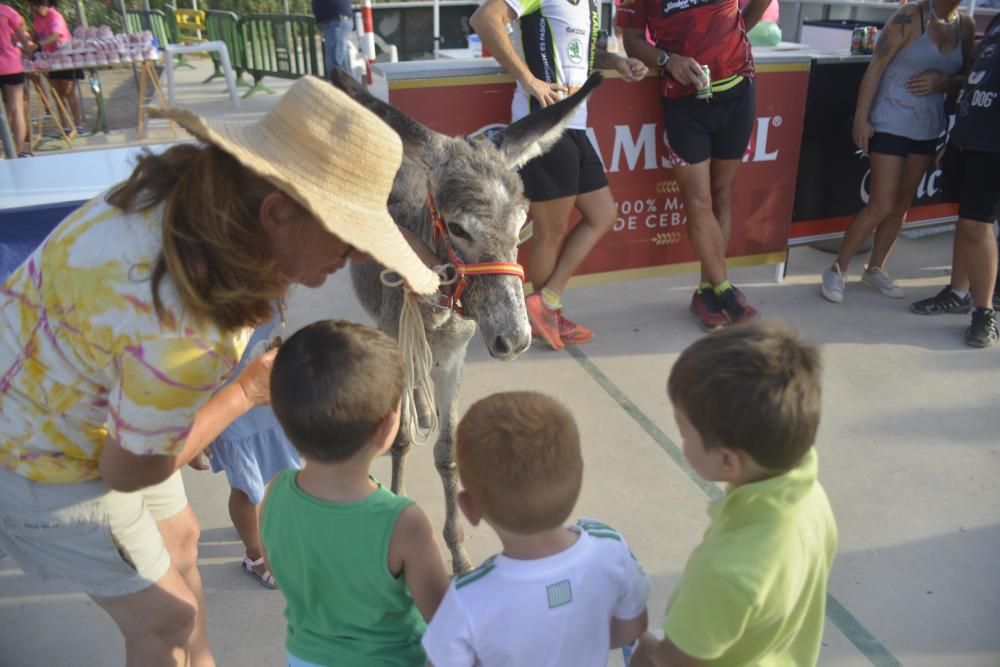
column 518, row 456
column 753, row 387
column 332, row 384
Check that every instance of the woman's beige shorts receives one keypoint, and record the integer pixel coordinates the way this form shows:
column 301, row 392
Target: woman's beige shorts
column 105, row 541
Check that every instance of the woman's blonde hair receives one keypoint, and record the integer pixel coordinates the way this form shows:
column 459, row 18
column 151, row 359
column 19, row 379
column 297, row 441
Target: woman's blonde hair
column 215, row 250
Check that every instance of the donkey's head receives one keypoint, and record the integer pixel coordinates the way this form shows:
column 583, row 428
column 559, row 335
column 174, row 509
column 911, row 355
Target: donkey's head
column 479, row 195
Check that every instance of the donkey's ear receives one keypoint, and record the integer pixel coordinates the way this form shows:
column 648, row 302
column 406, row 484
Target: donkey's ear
column 419, row 142
column 537, row 132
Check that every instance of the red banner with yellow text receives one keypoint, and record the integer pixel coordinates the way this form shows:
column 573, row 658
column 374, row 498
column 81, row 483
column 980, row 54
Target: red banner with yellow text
column 649, row 237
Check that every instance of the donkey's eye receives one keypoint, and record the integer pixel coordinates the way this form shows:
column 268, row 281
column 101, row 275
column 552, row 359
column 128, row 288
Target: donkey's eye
column 457, row 230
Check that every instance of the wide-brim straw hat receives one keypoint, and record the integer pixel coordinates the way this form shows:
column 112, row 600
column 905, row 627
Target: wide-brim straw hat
column 331, row 155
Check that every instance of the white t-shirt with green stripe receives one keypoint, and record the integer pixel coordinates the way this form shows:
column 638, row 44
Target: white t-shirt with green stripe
column 557, row 40
column 548, row 612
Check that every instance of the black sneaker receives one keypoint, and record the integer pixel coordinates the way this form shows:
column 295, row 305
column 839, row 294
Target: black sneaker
column 945, row 301
column 983, row 332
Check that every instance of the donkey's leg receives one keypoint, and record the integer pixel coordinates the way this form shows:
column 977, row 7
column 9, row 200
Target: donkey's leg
column 447, row 381
column 398, row 451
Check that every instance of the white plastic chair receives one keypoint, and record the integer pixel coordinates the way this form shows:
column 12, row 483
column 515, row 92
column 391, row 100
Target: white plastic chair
column 201, row 47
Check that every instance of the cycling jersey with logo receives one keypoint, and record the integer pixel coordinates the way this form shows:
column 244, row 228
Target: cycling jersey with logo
column 557, row 40
column 710, row 31
column 977, row 126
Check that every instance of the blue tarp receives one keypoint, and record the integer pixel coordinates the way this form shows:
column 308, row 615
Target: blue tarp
column 23, row 229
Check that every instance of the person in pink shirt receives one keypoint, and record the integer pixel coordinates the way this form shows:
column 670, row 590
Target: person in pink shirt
column 12, row 74
column 51, row 30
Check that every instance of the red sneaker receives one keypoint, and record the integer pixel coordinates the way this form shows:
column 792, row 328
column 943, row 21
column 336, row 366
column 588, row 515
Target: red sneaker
column 705, row 306
column 735, row 307
column 544, row 321
column 572, row 333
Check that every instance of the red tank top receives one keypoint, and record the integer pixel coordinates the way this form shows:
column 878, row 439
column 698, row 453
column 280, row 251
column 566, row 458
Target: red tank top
column 710, row 31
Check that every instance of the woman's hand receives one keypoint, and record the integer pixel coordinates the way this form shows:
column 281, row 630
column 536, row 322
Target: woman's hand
column 927, row 82
column 686, row 71
column 255, row 380
column 631, row 69
column 862, row 132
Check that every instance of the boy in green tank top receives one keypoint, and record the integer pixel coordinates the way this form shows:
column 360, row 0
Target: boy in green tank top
column 359, row 566
column 747, row 404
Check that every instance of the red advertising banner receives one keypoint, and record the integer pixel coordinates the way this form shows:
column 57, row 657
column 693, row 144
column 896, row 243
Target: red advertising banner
column 626, row 127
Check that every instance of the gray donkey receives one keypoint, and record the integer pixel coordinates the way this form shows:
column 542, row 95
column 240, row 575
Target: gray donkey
column 480, row 198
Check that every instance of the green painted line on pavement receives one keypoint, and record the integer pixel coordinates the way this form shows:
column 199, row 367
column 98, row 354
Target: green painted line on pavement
column 838, row 614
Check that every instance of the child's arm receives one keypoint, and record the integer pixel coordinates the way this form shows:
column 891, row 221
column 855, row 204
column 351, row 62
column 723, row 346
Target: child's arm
column 653, row 652
column 629, row 617
column 626, row 631
column 414, row 550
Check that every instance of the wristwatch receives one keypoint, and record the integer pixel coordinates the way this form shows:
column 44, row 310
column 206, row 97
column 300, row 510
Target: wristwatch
column 661, row 60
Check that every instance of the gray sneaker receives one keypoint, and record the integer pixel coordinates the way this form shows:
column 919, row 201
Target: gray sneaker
column 878, row 279
column 833, row 285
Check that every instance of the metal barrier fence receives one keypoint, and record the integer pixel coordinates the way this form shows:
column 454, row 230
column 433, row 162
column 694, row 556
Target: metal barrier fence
column 225, row 27
column 287, row 46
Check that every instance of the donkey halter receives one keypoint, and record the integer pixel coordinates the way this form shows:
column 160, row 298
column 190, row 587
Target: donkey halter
column 463, row 271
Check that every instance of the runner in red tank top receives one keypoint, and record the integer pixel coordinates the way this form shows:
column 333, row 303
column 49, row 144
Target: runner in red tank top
column 707, row 137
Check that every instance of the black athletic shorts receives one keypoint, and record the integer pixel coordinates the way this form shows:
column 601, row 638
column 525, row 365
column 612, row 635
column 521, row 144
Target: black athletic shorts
column 67, row 74
column 12, row 79
column 893, row 144
column 718, row 127
column 970, row 180
column 570, row 168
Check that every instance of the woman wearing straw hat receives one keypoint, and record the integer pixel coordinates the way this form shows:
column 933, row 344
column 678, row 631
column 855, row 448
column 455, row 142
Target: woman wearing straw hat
column 116, row 332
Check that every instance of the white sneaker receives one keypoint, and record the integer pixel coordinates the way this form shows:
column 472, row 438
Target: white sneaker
column 878, row 279
column 833, row 285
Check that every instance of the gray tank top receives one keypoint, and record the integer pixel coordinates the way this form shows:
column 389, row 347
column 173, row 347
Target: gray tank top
column 896, row 110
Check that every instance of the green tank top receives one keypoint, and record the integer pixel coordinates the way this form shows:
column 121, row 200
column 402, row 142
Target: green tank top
column 343, row 605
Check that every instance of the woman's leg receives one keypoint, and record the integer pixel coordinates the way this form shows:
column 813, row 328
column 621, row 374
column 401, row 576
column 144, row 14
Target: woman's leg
column 72, row 100
column 914, row 168
column 180, row 536
column 886, row 174
column 245, row 516
column 13, row 98
column 157, row 623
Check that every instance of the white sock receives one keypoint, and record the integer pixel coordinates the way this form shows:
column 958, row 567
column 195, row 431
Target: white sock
column 960, row 294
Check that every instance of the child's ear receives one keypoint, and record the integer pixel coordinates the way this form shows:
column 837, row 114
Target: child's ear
column 386, row 431
column 469, row 507
column 732, row 465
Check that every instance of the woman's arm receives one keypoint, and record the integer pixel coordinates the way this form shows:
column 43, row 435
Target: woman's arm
column 125, row 471
column 891, row 39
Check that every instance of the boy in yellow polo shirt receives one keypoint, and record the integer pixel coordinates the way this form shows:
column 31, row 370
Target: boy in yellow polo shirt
column 747, row 403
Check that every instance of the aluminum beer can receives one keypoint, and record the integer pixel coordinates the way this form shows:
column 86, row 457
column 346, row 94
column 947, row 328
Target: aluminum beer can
column 858, row 40
column 704, row 92
column 871, row 34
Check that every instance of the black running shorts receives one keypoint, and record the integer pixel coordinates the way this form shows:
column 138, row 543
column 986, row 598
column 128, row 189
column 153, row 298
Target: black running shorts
column 570, row 168
column 970, row 180
column 67, row 75
column 12, row 79
column 893, row 144
column 718, row 127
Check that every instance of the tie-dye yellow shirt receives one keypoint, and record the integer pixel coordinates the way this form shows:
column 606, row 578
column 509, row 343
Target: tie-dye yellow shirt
column 83, row 356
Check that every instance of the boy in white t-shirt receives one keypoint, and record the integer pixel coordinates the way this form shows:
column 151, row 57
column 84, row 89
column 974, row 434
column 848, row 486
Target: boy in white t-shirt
column 557, row 595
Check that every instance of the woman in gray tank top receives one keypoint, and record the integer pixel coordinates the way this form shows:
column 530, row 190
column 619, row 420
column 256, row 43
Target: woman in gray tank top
column 921, row 54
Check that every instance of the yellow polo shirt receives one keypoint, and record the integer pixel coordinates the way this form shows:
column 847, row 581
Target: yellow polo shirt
column 754, row 591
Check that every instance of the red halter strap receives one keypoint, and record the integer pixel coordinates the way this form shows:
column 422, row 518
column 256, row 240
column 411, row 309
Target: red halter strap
column 463, row 271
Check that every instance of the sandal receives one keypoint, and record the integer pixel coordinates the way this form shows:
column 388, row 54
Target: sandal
column 266, row 580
